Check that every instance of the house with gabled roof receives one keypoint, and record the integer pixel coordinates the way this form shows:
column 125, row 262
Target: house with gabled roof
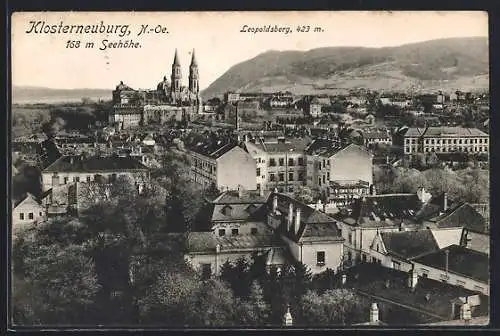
column 311, row 236
column 68, row 169
column 397, row 249
column 232, row 226
column 456, row 265
column 27, row 211
column 276, row 226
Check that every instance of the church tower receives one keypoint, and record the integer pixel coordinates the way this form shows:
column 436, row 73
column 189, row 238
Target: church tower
column 193, row 76
column 176, row 76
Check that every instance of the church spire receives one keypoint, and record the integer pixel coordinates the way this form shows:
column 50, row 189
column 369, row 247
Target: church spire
column 193, row 60
column 176, row 58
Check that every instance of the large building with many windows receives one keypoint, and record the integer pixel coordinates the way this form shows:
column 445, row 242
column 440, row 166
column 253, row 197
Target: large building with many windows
column 280, row 163
column 68, row 169
column 445, row 140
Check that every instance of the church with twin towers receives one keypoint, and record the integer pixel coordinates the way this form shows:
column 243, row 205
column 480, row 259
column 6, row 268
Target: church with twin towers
column 174, row 92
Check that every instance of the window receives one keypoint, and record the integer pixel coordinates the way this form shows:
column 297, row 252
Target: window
column 281, row 177
column 253, row 231
column 234, row 232
column 66, row 180
column 272, row 162
column 301, row 176
column 301, row 161
column 77, row 178
column 21, row 216
column 30, row 215
column 41, row 214
column 319, row 181
column 291, row 162
column 290, row 176
column 88, row 178
column 328, row 176
column 272, row 177
column 350, row 237
column 258, row 171
column 206, row 271
column 222, row 232
column 320, row 257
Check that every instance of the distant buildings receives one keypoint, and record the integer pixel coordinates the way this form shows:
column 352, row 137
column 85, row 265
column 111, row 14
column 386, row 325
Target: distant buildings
column 376, row 137
column 169, row 100
column 445, row 140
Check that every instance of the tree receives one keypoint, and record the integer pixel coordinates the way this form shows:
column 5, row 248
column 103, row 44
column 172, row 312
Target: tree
column 334, row 307
column 59, row 286
column 215, row 305
column 171, row 300
column 254, row 310
column 304, row 194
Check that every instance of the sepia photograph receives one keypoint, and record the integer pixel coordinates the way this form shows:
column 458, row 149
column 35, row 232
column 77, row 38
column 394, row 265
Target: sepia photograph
column 248, row 170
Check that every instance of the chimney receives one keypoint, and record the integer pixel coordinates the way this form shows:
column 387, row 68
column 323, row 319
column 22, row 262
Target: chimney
column 275, row 203
column 374, row 313
column 445, row 202
column 297, row 220
column 465, row 312
column 240, row 191
column 412, row 279
column 287, row 319
column 447, row 255
column 344, row 279
column 290, row 217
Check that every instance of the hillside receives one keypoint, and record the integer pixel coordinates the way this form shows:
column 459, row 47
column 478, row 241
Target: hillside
column 32, row 94
column 450, row 64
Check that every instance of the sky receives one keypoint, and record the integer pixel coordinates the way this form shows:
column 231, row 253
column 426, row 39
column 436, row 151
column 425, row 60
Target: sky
column 40, row 59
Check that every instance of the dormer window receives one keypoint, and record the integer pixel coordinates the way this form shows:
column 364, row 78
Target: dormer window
column 227, row 210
